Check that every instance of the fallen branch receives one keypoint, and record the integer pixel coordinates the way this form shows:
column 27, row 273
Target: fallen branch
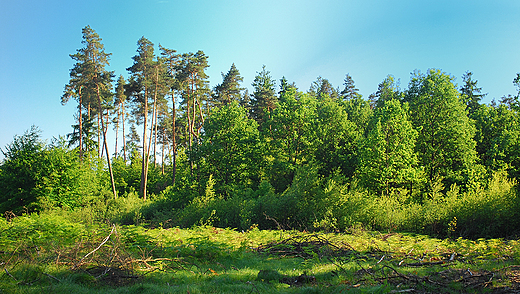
column 102, row 243
column 51, row 276
column 395, row 271
column 9, row 274
column 254, row 287
column 402, row 291
column 424, row 263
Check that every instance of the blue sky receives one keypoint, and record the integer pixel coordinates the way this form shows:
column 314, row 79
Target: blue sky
column 300, row 40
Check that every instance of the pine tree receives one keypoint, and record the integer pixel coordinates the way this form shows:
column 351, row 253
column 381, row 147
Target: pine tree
column 322, row 88
column 193, row 85
column 86, row 135
column 141, row 87
column 470, row 93
column 350, row 91
column 263, row 99
column 285, row 87
column 171, row 60
column 90, row 77
column 119, row 104
column 229, row 90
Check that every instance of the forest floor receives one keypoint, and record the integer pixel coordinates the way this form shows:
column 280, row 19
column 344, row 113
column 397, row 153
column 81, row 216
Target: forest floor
column 50, row 256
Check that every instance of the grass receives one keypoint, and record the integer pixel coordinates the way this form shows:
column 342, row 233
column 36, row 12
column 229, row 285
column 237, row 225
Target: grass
column 49, row 254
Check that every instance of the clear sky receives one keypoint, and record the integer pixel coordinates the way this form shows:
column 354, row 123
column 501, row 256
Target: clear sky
column 300, row 40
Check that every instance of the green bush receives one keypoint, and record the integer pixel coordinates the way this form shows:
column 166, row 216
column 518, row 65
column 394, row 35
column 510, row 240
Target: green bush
column 36, row 177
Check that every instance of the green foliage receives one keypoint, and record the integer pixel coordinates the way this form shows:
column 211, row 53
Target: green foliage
column 335, row 140
column 229, row 90
column 35, row 177
column 424, row 159
column 387, row 158
column 263, row 99
column 289, row 135
column 48, row 253
column 470, row 93
column 87, row 133
column 387, row 90
column 19, row 171
column 230, row 149
column 445, row 145
column 498, row 132
column 359, row 112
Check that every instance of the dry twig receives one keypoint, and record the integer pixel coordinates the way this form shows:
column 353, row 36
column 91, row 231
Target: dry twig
column 102, row 243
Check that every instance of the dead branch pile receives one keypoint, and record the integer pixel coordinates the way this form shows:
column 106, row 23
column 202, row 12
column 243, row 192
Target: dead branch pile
column 103, row 261
column 306, row 246
column 441, row 274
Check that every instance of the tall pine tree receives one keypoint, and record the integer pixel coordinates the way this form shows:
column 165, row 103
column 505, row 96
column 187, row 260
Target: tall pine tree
column 263, row 99
column 90, row 77
column 229, row 90
column 141, row 89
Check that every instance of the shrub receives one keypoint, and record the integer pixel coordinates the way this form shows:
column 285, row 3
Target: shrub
column 35, row 177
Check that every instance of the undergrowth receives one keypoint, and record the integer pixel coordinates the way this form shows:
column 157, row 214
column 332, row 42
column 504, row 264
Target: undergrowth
column 50, row 254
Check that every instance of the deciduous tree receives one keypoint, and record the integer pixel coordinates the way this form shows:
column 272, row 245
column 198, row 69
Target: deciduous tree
column 445, row 144
column 387, row 158
column 230, row 148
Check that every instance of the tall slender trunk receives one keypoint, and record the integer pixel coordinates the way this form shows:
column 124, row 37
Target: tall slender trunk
column 144, row 166
column 123, row 125
column 194, row 109
column 201, row 117
column 174, row 159
column 155, row 140
column 154, row 109
column 106, row 146
column 190, row 133
column 162, row 156
column 80, row 126
column 117, row 129
column 105, row 130
column 100, row 148
column 151, row 135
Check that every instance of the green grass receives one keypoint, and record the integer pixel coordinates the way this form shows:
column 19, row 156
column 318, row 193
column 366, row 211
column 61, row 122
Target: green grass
column 50, row 254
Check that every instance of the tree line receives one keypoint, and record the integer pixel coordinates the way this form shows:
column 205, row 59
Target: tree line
column 432, row 136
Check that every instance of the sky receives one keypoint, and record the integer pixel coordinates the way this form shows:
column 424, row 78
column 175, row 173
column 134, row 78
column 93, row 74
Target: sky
column 301, row 40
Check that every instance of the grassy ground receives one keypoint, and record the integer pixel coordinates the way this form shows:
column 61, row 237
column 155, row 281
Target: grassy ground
column 49, row 254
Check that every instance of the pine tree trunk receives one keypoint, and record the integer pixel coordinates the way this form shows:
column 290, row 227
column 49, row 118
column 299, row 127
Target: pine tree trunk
column 106, row 146
column 100, row 148
column 105, row 127
column 174, row 158
column 124, row 139
column 155, row 141
column 154, row 110
column 80, row 126
column 117, row 131
column 162, row 157
column 144, row 166
column 150, row 139
column 189, row 132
